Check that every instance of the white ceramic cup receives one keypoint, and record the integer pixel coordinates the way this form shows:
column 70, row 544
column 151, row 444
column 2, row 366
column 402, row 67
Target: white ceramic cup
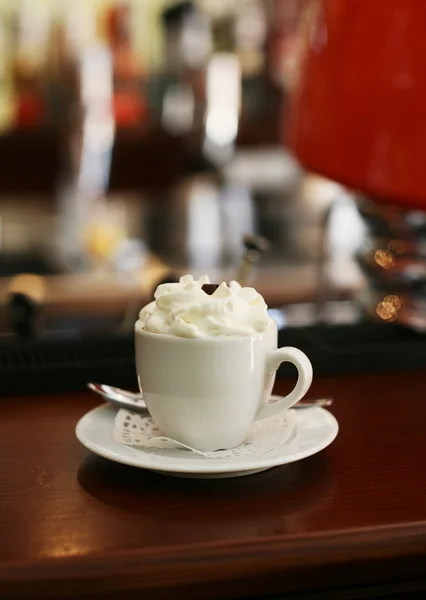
column 206, row 393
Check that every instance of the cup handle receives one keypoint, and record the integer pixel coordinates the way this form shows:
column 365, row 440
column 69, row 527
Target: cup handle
column 304, row 380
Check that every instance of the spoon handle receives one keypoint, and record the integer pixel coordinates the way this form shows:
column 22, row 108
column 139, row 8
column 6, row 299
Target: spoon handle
column 324, row 402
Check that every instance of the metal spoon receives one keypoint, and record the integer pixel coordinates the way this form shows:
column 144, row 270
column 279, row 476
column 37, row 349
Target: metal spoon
column 121, row 398
column 135, row 402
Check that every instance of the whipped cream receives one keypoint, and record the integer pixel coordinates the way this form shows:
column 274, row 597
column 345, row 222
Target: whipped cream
column 184, row 309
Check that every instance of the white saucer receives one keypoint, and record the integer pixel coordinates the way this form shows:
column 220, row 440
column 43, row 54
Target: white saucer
column 315, row 429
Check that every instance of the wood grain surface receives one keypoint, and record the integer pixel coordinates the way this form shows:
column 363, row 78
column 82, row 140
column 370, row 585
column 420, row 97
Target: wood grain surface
column 350, row 521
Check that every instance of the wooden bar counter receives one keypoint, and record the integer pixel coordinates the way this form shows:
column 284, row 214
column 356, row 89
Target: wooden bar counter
column 347, row 523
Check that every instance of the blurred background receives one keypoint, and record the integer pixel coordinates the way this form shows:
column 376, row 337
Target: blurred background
column 143, row 139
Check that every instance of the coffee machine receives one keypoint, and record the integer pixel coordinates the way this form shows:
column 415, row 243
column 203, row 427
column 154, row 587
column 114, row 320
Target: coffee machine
column 357, row 117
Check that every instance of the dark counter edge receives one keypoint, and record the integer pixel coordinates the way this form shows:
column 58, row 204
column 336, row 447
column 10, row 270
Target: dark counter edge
column 265, row 565
column 37, row 366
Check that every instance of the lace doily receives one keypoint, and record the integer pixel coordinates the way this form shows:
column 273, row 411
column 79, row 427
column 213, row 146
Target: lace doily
column 138, row 430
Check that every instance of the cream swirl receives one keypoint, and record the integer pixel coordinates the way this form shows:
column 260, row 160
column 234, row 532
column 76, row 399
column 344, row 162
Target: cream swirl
column 184, row 309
